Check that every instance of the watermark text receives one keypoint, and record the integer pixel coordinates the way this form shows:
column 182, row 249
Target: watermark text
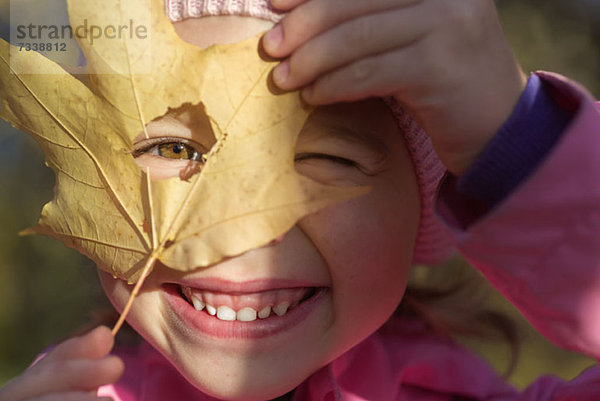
column 85, row 31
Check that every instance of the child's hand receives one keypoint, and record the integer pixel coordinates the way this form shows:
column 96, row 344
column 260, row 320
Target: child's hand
column 446, row 61
column 72, row 371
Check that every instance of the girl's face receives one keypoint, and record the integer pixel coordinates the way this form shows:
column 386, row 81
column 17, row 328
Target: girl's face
column 340, row 272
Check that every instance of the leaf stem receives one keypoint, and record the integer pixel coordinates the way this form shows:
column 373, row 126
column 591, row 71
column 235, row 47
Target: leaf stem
column 145, row 273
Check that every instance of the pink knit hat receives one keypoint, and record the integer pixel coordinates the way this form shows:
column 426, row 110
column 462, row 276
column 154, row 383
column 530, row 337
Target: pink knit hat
column 432, row 246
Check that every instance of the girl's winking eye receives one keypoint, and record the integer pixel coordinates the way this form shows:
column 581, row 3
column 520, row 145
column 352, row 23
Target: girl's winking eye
column 331, row 169
column 300, row 157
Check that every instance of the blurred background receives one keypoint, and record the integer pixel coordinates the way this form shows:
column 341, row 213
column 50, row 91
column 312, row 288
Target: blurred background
column 48, row 291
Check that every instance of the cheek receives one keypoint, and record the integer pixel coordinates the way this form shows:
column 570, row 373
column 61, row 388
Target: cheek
column 117, row 291
column 367, row 244
column 146, row 315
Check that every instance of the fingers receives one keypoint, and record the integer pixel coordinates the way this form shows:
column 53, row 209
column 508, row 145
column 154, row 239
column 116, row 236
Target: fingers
column 348, row 42
column 311, row 18
column 446, row 61
column 76, row 366
column 393, row 73
column 93, row 345
column 367, row 77
column 65, row 376
column 75, row 374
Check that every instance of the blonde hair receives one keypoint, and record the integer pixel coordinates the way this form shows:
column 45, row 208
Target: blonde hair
column 452, row 300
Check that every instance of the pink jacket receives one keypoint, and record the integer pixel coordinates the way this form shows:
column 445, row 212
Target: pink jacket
column 540, row 248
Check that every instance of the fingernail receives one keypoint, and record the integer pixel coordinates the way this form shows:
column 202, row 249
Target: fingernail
column 273, row 38
column 281, row 73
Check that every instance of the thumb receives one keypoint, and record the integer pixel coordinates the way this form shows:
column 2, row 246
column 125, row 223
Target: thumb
column 95, row 344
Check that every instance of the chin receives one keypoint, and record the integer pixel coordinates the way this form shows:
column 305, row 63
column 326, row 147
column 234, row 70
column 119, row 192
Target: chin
column 245, row 378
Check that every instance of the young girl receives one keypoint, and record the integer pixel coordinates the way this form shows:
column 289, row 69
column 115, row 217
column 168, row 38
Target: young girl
column 308, row 317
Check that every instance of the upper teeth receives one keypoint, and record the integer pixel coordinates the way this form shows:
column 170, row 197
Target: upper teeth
column 210, row 309
column 281, row 309
column 264, row 312
column 226, row 313
column 245, row 314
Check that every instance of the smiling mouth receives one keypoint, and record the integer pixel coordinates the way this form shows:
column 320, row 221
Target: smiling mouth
column 246, row 307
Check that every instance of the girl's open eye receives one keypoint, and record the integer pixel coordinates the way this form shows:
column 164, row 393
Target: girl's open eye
column 176, row 150
column 169, row 148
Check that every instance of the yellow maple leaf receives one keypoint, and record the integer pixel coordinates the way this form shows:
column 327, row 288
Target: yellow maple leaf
column 246, row 194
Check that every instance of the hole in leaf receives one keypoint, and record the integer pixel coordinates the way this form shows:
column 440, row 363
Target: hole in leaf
column 176, row 144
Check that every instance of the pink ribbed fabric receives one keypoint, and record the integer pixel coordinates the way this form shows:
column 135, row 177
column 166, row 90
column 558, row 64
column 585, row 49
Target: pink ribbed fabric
column 432, row 245
column 177, row 10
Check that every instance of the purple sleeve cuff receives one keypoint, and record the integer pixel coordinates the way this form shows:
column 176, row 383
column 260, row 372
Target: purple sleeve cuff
column 520, row 145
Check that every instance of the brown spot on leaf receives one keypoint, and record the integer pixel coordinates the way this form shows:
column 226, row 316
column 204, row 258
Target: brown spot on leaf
column 192, row 168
